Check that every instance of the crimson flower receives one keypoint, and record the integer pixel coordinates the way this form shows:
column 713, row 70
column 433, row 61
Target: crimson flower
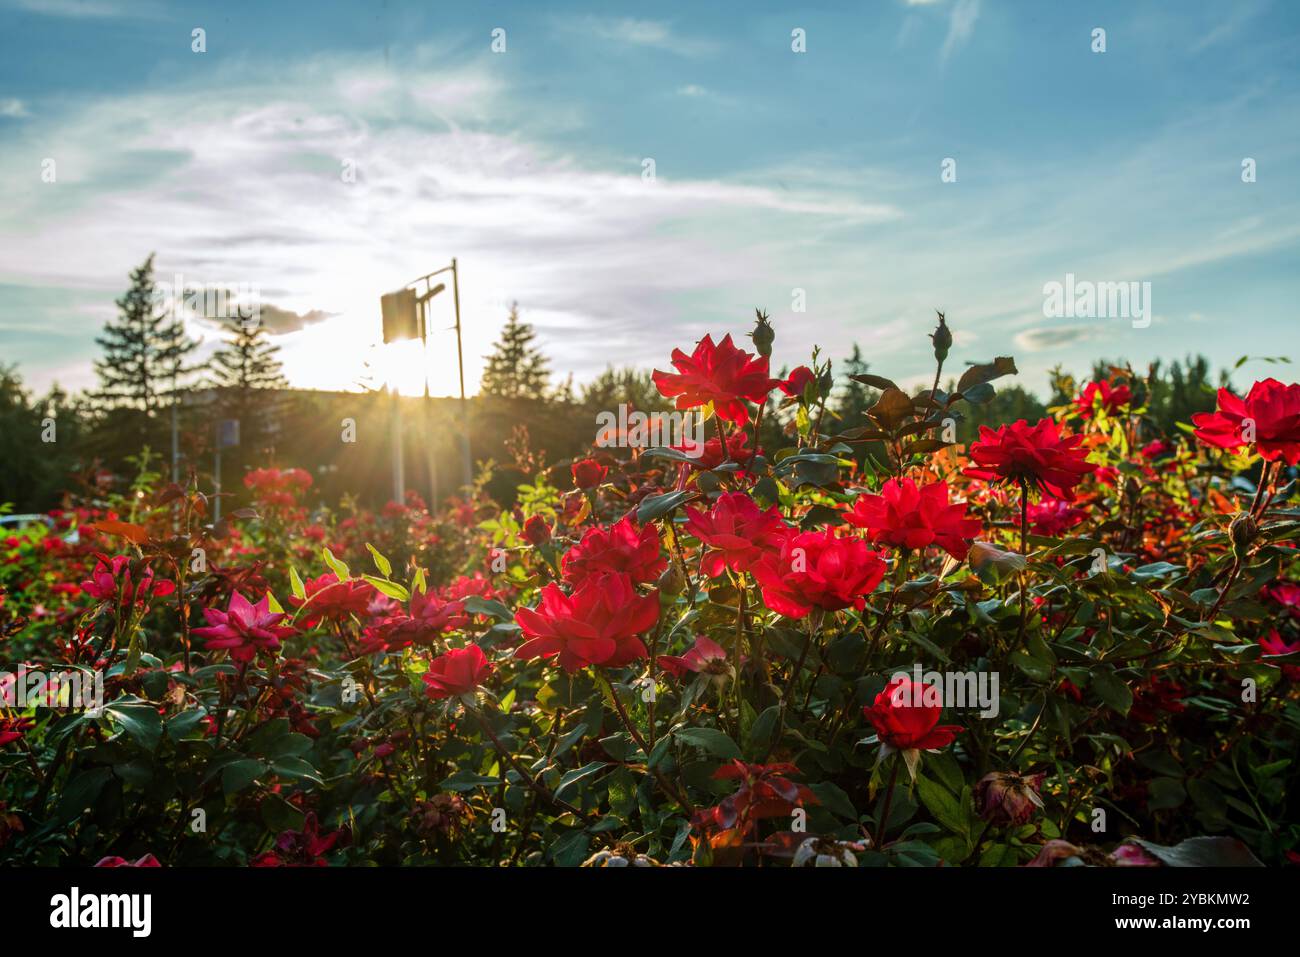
column 1274, row 644
column 1155, row 696
column 11, row 729
column 705, row 655
column 794, row 384
column 736, row 531
column 722, row 374
column 335, row 600
column 457, row 672
column 244, row 629
column 588, row 473
column 1269, row 416
column 711, row 457
column 620, row 548
column 1112, row 400
column 305, row 848
column 599, row 624
column 430, row 616
column 818, row 570
column 537, row 530
column 1053, row 517
column 906, row 516
column 1039, row 455
column 906, row 718
column 1286, row 594
column 112, row 580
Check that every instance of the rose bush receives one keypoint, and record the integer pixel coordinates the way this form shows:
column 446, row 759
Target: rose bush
column 660, row 657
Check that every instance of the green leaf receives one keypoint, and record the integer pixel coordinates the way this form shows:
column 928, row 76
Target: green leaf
column 391, row 589
column 834, row 799
column 383, row 564
column 468, row 781
column 1112, row 690
column 295, row 768
column 339, row 569
column 295, row 584
column 657, row 506
column 478, row 605
column 139, row 719
column 240, row 773
column 711, row 740
column 579, row 774
column 981, row 373
column 941, row 803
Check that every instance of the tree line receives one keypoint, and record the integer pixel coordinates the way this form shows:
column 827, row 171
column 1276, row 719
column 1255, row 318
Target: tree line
column 148, row 380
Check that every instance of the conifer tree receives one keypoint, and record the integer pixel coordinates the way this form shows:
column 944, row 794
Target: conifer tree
column 249, row 376
column 516, row 369
column 145, row 350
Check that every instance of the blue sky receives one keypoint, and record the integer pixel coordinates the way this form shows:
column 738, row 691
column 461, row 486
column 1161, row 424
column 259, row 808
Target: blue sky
column 774, row 171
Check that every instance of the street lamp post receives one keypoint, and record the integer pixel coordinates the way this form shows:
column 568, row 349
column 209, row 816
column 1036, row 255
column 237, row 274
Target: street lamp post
column 421, row 301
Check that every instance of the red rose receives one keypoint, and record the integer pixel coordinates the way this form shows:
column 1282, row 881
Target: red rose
column 704, row 655
column 1112, row 400
column 721, row 374
column 588, row 473
column 906, row 719
column 620, row 548
column 1269, row 416
column 335, row 600
column 798, row 379
column 457, row 672
column 1052, row 517
column 11, row 729
column 112, row 580
column 818, row 570
column 537, row 530
column 736, row 531
column 711, row 457
column 599, row 624
column 244, row 629
column 905, row 516
column 431, row 616
column 1038, row 455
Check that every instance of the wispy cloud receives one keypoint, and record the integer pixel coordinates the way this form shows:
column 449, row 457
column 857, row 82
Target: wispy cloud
column 961, row 26
column 655, row 34
column 87, row 9
column 13, row 108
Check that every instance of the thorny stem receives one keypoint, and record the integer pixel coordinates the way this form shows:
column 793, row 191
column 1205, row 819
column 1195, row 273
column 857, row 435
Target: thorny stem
column 673, row 792
column 536, row 786
column 889, row 800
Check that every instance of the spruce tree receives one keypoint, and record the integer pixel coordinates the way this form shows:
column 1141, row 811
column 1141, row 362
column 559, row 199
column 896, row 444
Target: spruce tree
column 248, row 374
column 516, row 369
column 144, row 350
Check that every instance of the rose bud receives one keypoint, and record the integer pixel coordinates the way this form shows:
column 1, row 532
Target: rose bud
column 942, row 339
column 672, row 581
column 537, row 531
column 1243, row 531
column 1008, row 798
column 763, row 335
column 588, row 473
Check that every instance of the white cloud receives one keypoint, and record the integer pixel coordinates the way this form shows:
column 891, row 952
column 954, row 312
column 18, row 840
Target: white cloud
column 655, row 34
column 232, row 188
column 961, row 25
column 13, row 108
column 87, row 9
